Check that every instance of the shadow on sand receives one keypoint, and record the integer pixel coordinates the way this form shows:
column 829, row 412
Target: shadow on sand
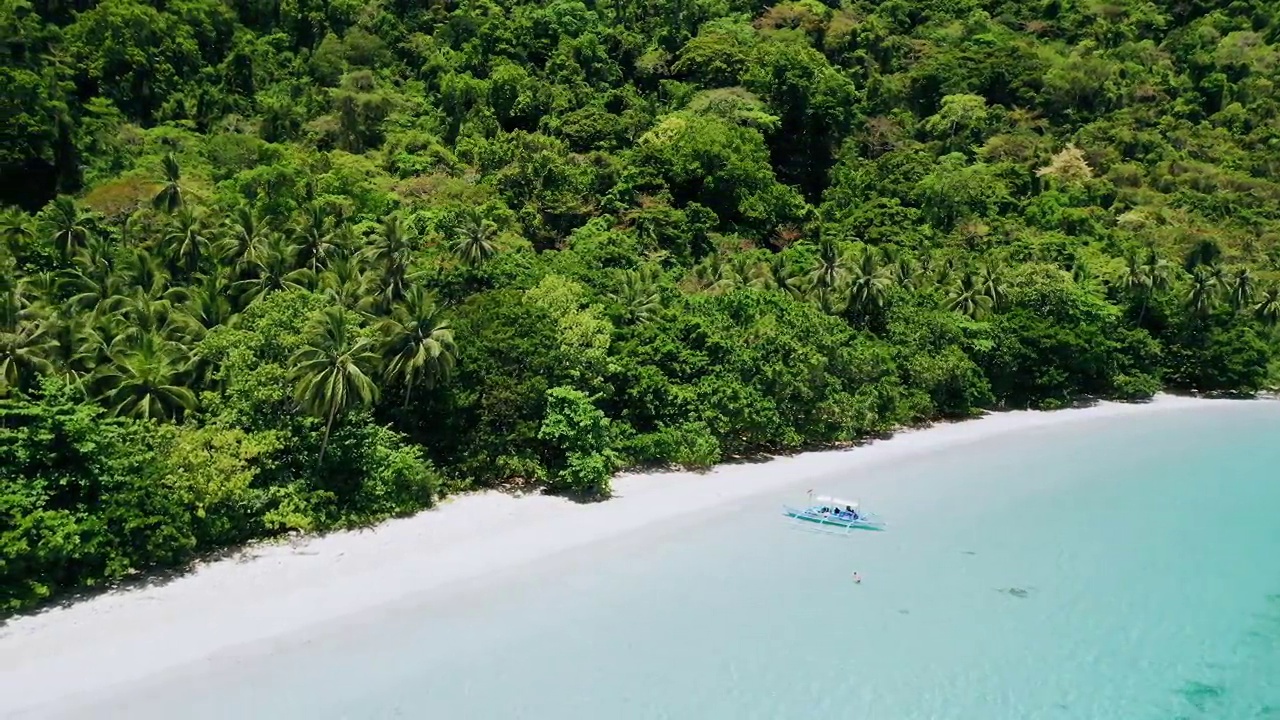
column 148, row 580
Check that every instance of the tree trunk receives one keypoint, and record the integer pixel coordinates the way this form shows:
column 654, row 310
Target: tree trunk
column 324, row 444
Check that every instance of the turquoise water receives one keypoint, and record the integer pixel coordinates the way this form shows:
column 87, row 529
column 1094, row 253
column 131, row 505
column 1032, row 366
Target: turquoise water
column 1120, row 569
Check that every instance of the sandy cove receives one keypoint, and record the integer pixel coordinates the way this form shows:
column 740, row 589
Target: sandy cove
column 272, row 590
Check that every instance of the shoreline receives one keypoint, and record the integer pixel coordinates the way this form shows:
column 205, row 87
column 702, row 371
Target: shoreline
column 274, row 590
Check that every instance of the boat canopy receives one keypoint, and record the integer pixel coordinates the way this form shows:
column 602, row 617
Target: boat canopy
column 828, row 500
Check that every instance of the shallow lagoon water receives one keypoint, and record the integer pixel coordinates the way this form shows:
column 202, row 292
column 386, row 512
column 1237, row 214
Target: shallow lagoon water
column 1120, row 569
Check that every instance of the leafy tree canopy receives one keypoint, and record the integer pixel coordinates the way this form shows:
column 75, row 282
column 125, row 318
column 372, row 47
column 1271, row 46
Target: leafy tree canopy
column 303, row 265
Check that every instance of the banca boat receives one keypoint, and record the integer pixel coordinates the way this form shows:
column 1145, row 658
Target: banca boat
column 834, row 513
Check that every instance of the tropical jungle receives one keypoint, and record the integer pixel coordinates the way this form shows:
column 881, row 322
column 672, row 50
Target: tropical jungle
column 272, row 266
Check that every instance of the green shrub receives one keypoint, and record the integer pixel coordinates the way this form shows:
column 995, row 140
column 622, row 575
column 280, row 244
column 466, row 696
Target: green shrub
column 689, row 445
column 1134, row 387
column 582, row 460
column 79, row 505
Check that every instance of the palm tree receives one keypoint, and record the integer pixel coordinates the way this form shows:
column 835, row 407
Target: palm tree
column 943, row 271
column 739, row 271
column 1203, row 292
column 832, row 301
column 713, row 276
column 24, row 353
column 69, row 227
column 143, row 380
column 639, row 294
column 130, row 231
column 89, row 290
column 1267, row 307
column 146, row 315
column 245, row 239
column 346, row 282
column 391, row 287
column 318, row 243
column 272, row 271
column 1160, row 271
column 392, row 244
column 40, row 292
column 703, row 276
column 1240, row 289
column 902, row 268
column 332, row 371
column 968, row 298
column 61, row 325
column 390, row 254
column 1135, row 280
column 831, row 269
column 417, row 343
column 146, row 272
column 1205, row 252
column 20, row 300
column 97, row 258
column 90, row 342
column 869, row 284
column 208, row 303
column 186, row 242
column 474, row 239
column 1143, row 276
column 1081, row 270
column 777, row 273
column 991, row 280
column 170, row 197
column 16, row 228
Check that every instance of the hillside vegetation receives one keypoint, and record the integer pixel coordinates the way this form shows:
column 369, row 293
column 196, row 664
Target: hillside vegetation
column 275, row 265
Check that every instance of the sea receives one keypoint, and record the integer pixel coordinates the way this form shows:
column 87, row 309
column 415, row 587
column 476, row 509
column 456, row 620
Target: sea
column 1122, row 568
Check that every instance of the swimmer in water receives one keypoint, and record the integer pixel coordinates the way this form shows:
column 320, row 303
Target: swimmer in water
column 857, row 578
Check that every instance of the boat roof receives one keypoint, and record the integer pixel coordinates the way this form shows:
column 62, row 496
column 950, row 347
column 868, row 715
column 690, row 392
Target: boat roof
column 828, row 500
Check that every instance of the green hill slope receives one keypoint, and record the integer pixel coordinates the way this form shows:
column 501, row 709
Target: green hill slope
column 276, row 265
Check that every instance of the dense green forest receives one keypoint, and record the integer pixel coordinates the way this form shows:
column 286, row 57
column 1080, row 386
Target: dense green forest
column 274, row 265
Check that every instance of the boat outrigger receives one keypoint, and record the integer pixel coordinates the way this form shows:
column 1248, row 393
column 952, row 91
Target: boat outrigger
column 834, row 512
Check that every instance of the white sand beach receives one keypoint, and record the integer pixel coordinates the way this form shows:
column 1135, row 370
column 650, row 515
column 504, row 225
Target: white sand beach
column 274, row 590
